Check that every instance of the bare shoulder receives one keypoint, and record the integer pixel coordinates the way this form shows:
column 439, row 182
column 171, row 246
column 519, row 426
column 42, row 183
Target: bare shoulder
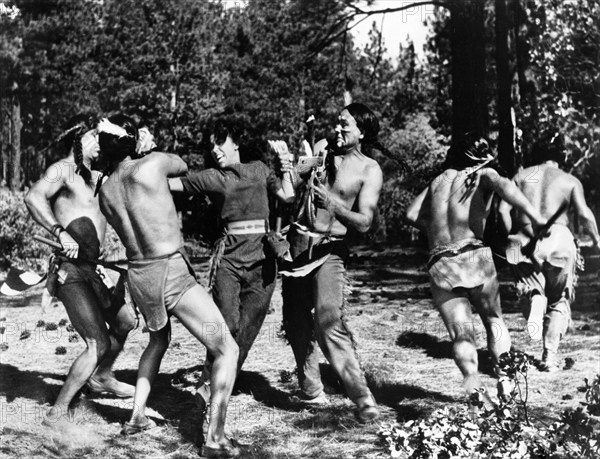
column 489, row 177
column 446, row 177
column 372, row 168
column 57, row 175
column 62, row 166
column 156, row 158
column 527, row 175
column 149, row 165
column 571, row 179
column 489, row 173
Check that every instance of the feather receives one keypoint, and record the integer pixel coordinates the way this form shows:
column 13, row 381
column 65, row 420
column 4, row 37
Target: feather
column 109, row 128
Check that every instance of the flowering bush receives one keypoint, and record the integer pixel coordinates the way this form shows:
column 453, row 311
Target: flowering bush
column 500, row 431
column 444, row 434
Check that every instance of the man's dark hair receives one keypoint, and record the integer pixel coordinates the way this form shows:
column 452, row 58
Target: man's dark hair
column 549, row 147
column 238, row 133
column 73, row 131
column 368, row 124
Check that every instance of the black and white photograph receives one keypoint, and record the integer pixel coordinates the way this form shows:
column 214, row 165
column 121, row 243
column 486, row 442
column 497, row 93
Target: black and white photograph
column 324, row 229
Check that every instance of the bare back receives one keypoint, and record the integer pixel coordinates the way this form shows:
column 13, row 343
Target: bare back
column 358, row 177
column 138, row 204
column 547, row 188
column 457, row 210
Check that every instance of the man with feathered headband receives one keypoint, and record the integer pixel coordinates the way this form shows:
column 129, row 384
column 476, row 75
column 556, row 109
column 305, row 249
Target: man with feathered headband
column 63, row 202
column 138, row 204
column 452, row 211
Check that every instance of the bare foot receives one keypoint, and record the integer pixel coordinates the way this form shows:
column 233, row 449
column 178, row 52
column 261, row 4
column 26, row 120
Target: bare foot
column 110, row 385
column 137, row 424
column 226, row 448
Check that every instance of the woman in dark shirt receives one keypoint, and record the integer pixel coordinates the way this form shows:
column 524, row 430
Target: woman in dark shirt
column 245, row 277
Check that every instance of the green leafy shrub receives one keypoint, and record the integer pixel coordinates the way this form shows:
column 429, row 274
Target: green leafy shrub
column 424, row 150
column 17, row 229
column 592, row 395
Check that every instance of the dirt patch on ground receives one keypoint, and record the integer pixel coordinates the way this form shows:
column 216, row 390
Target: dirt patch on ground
column 402, row 344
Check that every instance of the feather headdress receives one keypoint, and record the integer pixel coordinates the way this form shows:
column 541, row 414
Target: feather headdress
column 110, row 128
column 480, row 152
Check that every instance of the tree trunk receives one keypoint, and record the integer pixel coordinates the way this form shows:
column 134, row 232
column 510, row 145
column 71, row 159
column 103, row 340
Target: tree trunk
column 4, row 140
column 469, row 102
column 527, row 107
column 506, row 146
column 14, row 164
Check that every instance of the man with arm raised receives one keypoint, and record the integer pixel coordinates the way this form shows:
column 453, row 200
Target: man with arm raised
column 345, row 196
column 137, row 202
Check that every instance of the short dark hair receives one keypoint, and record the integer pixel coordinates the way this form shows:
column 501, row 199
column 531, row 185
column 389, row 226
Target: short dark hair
column 550, row 146
column 238, row 132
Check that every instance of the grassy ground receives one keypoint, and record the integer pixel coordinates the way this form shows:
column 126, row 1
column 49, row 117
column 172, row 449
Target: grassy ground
column 403, row 347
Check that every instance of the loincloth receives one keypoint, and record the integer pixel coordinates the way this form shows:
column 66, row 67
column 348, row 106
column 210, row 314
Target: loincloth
column 467, row 264
column 558, row 256
column 65, row 271
column 558, row 249
column 157, row 284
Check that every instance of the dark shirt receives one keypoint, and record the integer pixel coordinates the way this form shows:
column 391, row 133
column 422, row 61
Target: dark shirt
column 240, row 192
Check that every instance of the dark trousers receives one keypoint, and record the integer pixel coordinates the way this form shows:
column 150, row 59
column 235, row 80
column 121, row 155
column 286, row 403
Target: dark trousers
column 243, row 295
column 323, row 291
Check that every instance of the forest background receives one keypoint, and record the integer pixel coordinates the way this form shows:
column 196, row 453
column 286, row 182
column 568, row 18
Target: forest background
column 511, row 70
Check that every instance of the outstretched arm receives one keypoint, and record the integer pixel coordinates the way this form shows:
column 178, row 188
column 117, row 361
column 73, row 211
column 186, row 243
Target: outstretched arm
column 169, row 164
column 174, row 165
column 584, row 213
column 510, row 193
column 417, row 213
column 367, row 202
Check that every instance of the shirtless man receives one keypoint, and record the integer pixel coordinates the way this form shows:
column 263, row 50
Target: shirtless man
column 547, row 284
column 345, row 196
column 137, row 202
column 63, row 202
column 452, row 211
